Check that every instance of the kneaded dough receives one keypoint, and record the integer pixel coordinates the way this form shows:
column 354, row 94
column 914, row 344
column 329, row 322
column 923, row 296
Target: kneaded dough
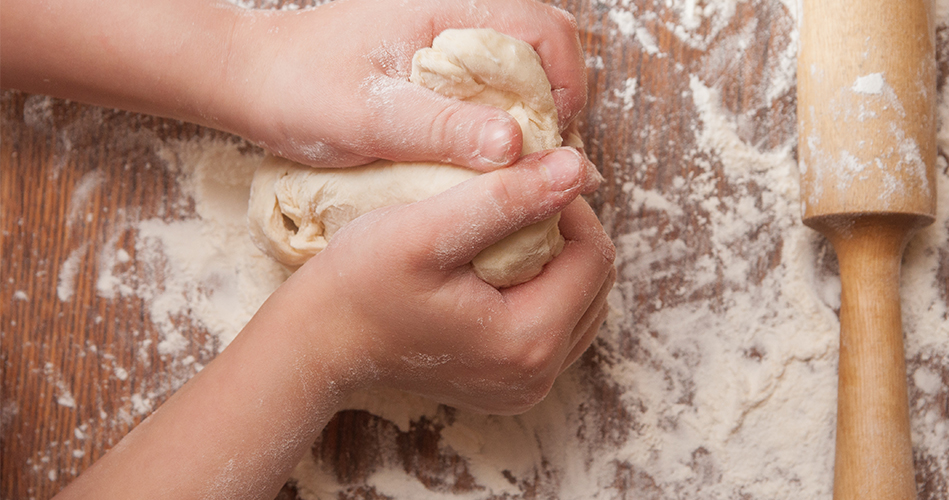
column 295, row 209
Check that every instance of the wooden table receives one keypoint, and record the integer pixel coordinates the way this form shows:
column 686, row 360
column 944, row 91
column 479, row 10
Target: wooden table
column 75, row 364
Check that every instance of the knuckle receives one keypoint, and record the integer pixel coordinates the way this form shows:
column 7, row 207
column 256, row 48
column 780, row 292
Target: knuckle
column 566, row 20
column 534, row 356
column 446, row 125
column 502, row 189
column 364, row 135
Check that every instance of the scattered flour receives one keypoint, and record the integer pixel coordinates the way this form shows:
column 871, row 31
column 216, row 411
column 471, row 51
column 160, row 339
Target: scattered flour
column 64, row 396
column 80, row 195
column 141, row 405
column 624, row 95
column 715, row 374
column 869, row 84
column 200, row 271
column 67, row 273
column 693, row 22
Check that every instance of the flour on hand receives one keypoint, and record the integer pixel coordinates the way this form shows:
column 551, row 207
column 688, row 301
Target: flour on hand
column 294, row 209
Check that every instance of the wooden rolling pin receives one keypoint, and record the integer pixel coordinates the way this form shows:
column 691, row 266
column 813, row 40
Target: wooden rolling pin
column 867, row 150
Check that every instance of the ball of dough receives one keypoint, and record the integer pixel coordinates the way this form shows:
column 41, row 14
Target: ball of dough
column 295, row 209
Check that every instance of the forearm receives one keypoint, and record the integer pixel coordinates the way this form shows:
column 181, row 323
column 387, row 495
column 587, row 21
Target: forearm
column 238, row 427
column 170, row 58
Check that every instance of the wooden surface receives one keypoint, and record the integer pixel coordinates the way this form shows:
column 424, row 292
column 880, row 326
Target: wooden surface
column 75, row 364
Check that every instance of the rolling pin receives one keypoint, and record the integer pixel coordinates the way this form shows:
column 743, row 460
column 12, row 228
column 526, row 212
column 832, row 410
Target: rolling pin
column 867, row 150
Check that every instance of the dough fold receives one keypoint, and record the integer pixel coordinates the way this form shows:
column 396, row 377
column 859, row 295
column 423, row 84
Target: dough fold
column 295, row 209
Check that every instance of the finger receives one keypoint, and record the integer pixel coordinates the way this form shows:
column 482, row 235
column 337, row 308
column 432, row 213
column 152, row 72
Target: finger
column 580, row 223
column 426, row 126
column 593, row 178
column 573, row 280
column 592, row 312
column 563, row 62
column 554, row 35
column 589, row 326
column 585, row 341
column 466, row 219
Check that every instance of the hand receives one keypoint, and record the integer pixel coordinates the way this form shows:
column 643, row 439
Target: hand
column 325, row 85
column 416, row 316
column 330, row 85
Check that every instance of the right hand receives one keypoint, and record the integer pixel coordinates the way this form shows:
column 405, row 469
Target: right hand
column 412, row 314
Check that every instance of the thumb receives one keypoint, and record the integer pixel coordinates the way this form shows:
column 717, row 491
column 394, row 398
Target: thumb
column 481, row 211
column 427, row 126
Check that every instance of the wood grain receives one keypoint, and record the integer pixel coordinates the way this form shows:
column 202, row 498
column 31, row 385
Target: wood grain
column 869, row 210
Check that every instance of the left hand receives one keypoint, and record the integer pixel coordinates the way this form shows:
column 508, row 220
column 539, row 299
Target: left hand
column 329, row 85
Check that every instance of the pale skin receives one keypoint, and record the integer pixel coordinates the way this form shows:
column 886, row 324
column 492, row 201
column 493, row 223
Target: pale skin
column 328, row 85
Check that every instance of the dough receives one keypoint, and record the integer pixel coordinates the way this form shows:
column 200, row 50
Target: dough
column 295, row 209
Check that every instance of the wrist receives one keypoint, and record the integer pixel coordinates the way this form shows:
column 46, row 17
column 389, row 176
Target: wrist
column 308, row 316
column 264, row 82
column 233, row 93
column 159, row 58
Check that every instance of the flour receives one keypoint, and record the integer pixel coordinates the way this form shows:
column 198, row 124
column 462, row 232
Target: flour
column 872, row 84
column 744, row 381
column 685, row 19
column 67, row 273
column 625, row 95
column 715, row 374
column 80, row 195
column 202, row 270
column 64, row 396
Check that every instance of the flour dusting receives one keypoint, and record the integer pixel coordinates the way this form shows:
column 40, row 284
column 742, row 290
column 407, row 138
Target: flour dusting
column 872, row 84
column 715, row 373
column 202, row 270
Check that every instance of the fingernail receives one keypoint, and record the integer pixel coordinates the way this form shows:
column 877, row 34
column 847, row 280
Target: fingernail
column 495, row 142
column 562, row 168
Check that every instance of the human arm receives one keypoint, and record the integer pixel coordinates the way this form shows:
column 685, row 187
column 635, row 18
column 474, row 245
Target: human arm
column 391, row 302
column 162, row 58
column 325, row 85
column 237, row 428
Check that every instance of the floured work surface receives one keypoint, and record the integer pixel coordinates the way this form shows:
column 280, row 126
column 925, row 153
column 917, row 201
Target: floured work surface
column 126, row 267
